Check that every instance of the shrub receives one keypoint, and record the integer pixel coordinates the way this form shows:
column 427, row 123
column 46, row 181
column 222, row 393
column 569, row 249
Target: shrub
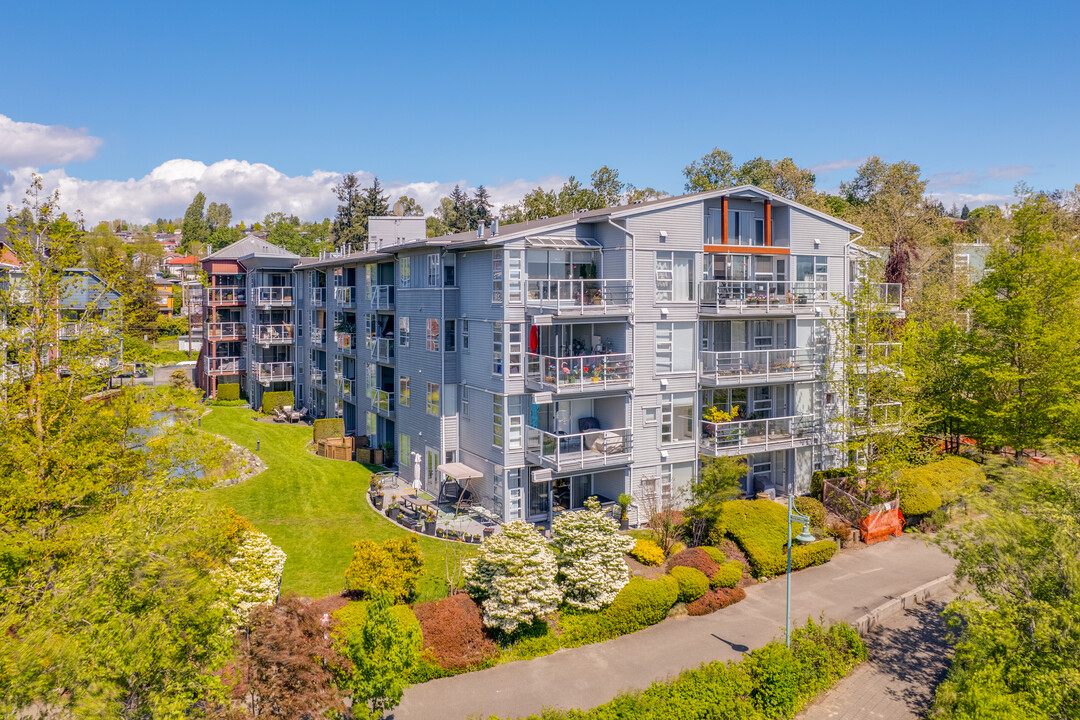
column 228, row 403
column 676, row 548
column 816, row 553
column 917, row 497
column 695, row 558
column 453, row 632
column 647, row 552
column 813, row 509
column 817, row 480
column 759, row 528
column 392, row 566
column 692, row 582
column 728, row 576
column 178, row 380
column 251, row 574
column 638, row 605
column 228, row 391
column 715, row 553
column 590, row 556
column 716, row 599
column 329, row 428
column 925, row 488
column 274, row 400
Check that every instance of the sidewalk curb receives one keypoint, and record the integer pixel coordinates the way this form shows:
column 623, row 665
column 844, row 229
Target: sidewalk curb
column 910, row 599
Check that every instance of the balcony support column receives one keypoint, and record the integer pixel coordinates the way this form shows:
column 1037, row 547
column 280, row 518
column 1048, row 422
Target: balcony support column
column 768, row 223
column 724, row 220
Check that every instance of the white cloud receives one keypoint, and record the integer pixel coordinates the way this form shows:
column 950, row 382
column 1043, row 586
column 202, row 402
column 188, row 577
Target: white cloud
column 972, row 200
column 836, row 165
column 251, row 189
column 30, row 144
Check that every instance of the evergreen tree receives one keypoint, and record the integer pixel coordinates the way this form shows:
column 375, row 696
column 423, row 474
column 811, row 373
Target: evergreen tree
column 195, row 228
column 349, row 226
column 481, row 208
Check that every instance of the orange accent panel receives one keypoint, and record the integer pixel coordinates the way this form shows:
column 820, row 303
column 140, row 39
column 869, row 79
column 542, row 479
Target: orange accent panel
column 750, row 249
column 723, row 219
column 768, row 223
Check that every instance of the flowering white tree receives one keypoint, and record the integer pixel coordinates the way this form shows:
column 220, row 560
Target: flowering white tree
column 252, row 573
column 590, row 556
column 513, row 576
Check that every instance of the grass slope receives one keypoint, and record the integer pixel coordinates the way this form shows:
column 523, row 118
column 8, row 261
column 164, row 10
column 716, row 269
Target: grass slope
column 313, row 508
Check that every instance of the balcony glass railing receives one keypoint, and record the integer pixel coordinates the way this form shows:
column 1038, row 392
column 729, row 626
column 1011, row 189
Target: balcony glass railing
column 228, row 365
column 318, row 377
column 273, row 334
column 881, row 416
column 225, row 295
column 267, row 372
column 382, row 349
column 721, row 296
column 346, row 342
column 274, row 296
column 596, row 295
column 758, row 435
column 581, row 372
column 345, row 296
column 347, row 388
column 777, row 364
column 595, row 448
column 382, row 401
column 218, row 330
column 318, row 296
column 318, row 336
column 382, row 297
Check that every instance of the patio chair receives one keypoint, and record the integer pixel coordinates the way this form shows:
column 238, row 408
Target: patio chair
column 279, row 415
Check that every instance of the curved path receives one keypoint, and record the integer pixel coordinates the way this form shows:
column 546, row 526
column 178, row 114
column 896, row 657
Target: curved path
column 851, row 585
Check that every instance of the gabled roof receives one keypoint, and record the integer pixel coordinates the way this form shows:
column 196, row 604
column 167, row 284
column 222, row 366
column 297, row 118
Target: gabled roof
column 182, row 260
column 250, row 245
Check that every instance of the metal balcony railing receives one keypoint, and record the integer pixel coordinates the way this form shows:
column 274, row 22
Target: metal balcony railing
column 598, row 296
column 780, row 365
column 750, row 296
column 224, row 365
column 318, row 296
column 345, row 296
column 382, row 297
column 382, row 401
column 382, row 349
column 740, row 436
column 225, row 295
column 346, row 342
column 318, row 336
column 268, row 372
column 592, row 449
column 581, row 373
column 347, row 388
column 274, row 296
column 273, row 334
column 223, row 330
column 318, row 377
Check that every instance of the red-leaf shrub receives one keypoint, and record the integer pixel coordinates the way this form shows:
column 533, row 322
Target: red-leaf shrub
column 714, row 600
column 695, row 558
column 454, row 632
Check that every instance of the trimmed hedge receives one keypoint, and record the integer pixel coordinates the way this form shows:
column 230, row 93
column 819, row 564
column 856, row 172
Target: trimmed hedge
column 716, row 599
column 692, row 582
column 228, row 403
column 916, row 496
column 813, row 509
column 925, row 488
column 329, row 428
column 772, row 682
column 696, row 558
column 715, row 553
column 638, row 605
column 728, row 576
column 228, row 391
column 274, row 400
column 647, row 552
column 759, row 528
column 817, row 480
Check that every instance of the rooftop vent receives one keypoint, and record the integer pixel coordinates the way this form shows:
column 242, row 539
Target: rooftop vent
column 480, row 230
column 494, row 227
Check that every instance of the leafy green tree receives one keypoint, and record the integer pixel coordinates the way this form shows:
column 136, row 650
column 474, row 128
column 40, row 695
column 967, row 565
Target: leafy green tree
column 390, row 567
column 714, row 170
column 635, row 194
column 608, row 188
column 350, row 223
column 218, row 216
column 720, row 480
column 195, row 229
column 408, row 206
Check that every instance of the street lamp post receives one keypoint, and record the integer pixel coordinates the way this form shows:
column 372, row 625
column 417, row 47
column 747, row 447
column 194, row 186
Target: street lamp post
column 804, row 536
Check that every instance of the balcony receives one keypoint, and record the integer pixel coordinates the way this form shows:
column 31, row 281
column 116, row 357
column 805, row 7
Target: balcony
column 593, row 449
column 224, row 365
column 750, row 436
column 346, row 342
column 382, row 349
column 753, row 297
column 318, row 336
column 269, row 372
column 382, row 402
column 267, row 335
column 318, row 297
column 579, row 374
column 345, row 296
column 382, row 297
column 877, row 357
column 226, row 331
column 347, row 388
column 881, row 417
column 739, row 366
column 225, row 296
column 580, row 296
column 891, row 295
column 274, row 297
column 318, row 378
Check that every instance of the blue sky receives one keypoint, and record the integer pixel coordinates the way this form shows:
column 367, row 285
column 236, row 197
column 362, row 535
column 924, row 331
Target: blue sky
column 510, row 95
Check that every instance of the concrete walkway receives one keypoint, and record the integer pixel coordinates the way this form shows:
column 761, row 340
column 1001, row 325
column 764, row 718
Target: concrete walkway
column 844, row 589
column 909, row 656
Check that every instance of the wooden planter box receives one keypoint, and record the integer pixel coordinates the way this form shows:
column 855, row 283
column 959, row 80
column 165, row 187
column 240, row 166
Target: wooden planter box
column 363, row 455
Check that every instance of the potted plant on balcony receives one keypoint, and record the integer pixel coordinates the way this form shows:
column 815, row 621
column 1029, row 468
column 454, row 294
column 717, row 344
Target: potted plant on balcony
column 624, row 503
column 394, row 510
column 489, row 531
column 430, row 516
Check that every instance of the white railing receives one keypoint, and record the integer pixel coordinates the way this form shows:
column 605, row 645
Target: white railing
column 217, row 330
column 582, row 372
column 776, row 364
column 318, row 377
column 758, row 435
column 877, row 356
column 318, row 336
column 318, row 296
column 881, row 416
column 720, row 296
column 268, row 372
column 888, row 294
column 346, row 342
column 229, row 365
column 273, row 334
column 347, row 388
column 596, row 295
column 344, row 295
column 382, row 349
column 595, row 448
column 382, row 297
column 274, row 296
column 382, row 401
column 225, row 295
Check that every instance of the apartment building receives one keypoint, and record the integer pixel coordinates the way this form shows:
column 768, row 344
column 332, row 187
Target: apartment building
column 544, row 362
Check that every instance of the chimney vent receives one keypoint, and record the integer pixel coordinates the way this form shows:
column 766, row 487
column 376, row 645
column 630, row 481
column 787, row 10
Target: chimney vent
column 494, row 227
column 480, row 230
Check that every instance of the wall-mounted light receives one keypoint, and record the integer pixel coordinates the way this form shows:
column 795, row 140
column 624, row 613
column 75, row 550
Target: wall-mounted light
column 663, row 236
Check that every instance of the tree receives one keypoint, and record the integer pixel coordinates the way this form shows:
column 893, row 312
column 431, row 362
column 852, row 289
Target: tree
column 590, row 552
column 408, row 207
column 218, row 216
column 194, row 228
column 720, row 480
column 480, row 207
column 608, row 188
column 251, row 575
column 712, row 171
column 964, row 212
column 636, row 195
column 350, row 223
column 391, row 567
column 514, row 577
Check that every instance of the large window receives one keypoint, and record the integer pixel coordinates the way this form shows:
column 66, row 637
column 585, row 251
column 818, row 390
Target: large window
column 372, row 425
column 465, row 334
column 433, row 270
column 515, row 422
column 745, row 229
column 369, row 380
column 403, row 451
column 432, row 334
column 433, row 399
column 404, row 271
column 515, row 268
column 515, row 348
column 451, row 336
column 496, row 277
column 674, row 347
column 513, row 491
column 403, row 392
column 674, row 277
column 497, row 414
column 403, row 331
column 465, row 401
column 539, row 500
column 497, row 348
column 677, row 418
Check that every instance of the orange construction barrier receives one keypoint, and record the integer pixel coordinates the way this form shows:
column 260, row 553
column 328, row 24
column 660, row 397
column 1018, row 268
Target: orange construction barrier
column 880, row 526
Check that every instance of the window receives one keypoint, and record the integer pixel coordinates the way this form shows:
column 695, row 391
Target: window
column 403, row 392
column 674, row 347
column 404, row 271
column 450, row 342
column 369, row 276
column 513, row 491
column 465, row 401
column 744, row 229
column 674, row 277
column 465, row 334
column 449, row 279
column 497, row 420
column 539, row 496
column 496, row 277
column 433, row 399
column 369, row 382
column 651, row 415
column 432, row 334
column 497, row 349
column 433, row 270
column 515, row 348
column 677, row 418
column 515, row 423
column 514, row 269
column 372, row 424
column 403, row 452
column 403, row 331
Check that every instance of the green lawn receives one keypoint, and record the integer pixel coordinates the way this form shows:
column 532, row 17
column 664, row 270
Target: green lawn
column 313, row 508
